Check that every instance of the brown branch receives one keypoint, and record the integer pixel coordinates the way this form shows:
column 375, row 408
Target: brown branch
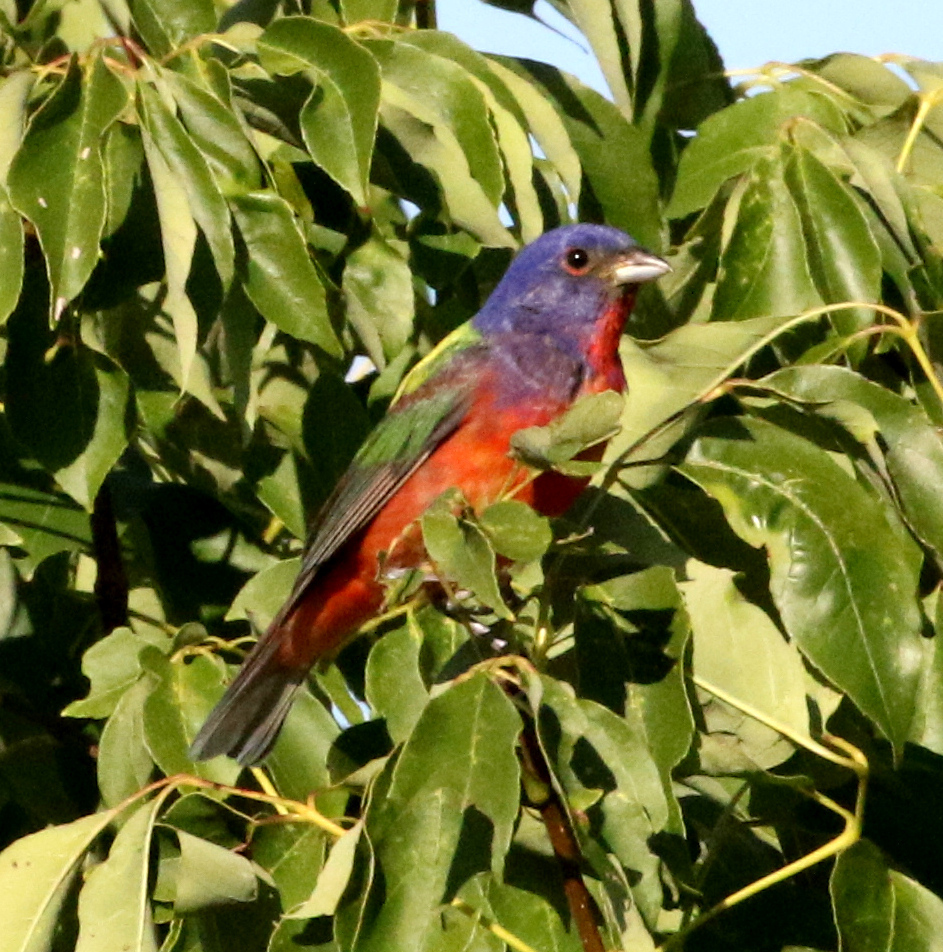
column 425, row 14
column 111, row 581
column 566, row 848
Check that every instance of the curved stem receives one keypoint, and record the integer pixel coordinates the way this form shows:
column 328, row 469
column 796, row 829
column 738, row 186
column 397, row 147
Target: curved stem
column 853, row 760
column 927, row 103
column 497, row 930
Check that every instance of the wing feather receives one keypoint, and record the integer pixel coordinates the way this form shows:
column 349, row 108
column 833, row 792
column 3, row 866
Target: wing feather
column 401, row 442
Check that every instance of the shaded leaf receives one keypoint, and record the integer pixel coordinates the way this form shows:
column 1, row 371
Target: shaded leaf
column 878, row 909
column 176, row 708
column 763, row 269
column 462, row 554
column 209, row 875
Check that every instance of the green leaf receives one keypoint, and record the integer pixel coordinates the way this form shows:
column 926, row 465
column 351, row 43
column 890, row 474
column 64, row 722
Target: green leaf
column 339, row 119
column 378, row 289
column 516, row 531
column 843, row 257
column 871, row 83
column 608, row 145
column 597, row 23
column 112, row 665
column 733, row 140
column 673, row 374
column 167, row 24
column 83, row 478
column 279, row 276
column 432, row 143
column 627, row 792
column 912, row 445
column 293, row 855
column 280, row 493
column 477, row 725
column 547, row 128
column 298, row 761
column 458, row 105
column 178, row 237
column 510, row 126
column 394, row 684
column 738, row 649
column 11, row 256
column 114, row 906
column 333, row 879
column 191, row 192
column 764, row 271
column 878, row 909
column 589, row 421
column 209, row 875
column 123, row 156
column 185, row 693
column 843, row 578
column 522, row 913
column 457, row 772
column 56, row 179
column 15, row 91
column 462, row 554
column 36, row 873
column 265, row 593
column 44, row 522
column 215, row 130
column 124, row 762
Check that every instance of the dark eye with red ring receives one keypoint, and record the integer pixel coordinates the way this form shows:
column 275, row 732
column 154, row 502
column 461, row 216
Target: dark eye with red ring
column 576, row 261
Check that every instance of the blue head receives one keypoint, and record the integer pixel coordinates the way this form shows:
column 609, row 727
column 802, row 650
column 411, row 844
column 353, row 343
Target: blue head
column 562, row 283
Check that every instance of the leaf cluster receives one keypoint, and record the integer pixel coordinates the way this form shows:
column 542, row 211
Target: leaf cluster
column 226, row 233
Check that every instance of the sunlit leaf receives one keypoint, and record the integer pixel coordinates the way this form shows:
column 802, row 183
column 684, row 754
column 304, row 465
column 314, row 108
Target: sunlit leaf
column 114, row 907
column 56, row 178
column 843, row 578
column 339, row 118
column 36, row 873
column 279, row 276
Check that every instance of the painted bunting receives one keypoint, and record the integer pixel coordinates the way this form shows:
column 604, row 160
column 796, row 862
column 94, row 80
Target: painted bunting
column 548, row 335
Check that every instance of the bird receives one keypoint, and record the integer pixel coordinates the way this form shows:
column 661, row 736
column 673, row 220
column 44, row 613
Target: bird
column 547, row 335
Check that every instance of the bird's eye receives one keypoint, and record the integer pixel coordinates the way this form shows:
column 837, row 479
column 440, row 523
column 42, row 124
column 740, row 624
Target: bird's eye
column 576, row 261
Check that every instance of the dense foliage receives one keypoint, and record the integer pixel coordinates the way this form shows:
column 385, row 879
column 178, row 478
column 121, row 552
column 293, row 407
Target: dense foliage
column 718, row 673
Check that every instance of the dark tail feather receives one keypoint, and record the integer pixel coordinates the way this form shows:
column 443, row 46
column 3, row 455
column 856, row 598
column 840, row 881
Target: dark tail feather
column 247, row 719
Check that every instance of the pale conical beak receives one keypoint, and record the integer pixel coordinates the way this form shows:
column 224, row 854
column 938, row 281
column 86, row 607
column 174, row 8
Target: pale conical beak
column 637, row 266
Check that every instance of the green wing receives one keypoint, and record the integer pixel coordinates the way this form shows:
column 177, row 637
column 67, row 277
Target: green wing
column 430, row 404
column 461, row 339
